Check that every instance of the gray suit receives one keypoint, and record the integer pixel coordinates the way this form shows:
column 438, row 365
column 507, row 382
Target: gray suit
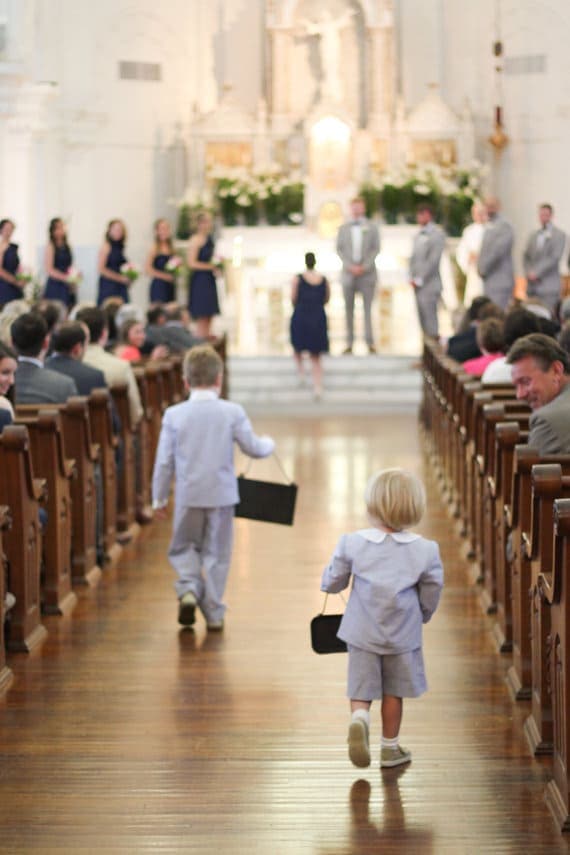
column 36, row 385
column 424, row 271
column 549, row 426
column 364, row 284
column 173, row 334
column 542, row 257
column 495, row 265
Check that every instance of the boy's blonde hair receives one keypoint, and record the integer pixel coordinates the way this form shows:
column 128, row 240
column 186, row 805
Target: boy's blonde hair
column 202, row 366
column 395, row 499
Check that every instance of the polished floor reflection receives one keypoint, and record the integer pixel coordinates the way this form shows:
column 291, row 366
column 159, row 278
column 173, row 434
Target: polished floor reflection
column 124, row 734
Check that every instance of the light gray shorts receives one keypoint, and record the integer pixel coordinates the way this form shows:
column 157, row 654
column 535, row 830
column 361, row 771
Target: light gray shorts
column 372, row 675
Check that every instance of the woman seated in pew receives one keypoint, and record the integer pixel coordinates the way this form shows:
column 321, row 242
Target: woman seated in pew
column 8, row 366
column 518, row 323
column 132, row 337
column 490, row 342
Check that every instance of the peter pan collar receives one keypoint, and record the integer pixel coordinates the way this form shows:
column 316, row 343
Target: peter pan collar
column 375, row 535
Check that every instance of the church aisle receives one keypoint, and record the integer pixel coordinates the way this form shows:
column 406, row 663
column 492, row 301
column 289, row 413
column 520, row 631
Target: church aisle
column 125, row 734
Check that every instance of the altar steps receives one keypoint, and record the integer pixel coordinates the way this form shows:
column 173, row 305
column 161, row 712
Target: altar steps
column 268, row 385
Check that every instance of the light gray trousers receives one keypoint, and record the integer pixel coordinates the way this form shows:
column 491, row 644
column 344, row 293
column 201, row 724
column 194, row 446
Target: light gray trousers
column 427, row 302
column 350, row 291
column 200, row 553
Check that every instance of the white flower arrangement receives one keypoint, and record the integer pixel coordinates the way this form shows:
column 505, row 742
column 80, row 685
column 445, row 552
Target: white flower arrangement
column 131, row 271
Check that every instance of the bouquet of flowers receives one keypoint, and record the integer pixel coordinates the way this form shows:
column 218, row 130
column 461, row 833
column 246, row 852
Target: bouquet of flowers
column 174, row 264
column 24, row 275
column 131, row 271
column 74, row 276
column 218, row 262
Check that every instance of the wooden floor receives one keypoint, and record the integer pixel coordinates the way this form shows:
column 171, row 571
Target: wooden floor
column 125, row 734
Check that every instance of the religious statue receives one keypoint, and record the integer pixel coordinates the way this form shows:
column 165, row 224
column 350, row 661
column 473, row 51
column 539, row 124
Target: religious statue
column 328, row 28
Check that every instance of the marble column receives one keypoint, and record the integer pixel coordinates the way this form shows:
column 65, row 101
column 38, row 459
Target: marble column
column 280, row 47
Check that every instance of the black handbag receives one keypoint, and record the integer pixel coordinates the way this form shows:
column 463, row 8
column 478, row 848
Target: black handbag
column 324, row 630
column 266, row 501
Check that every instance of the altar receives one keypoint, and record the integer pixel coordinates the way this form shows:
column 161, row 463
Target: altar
column 261, row 262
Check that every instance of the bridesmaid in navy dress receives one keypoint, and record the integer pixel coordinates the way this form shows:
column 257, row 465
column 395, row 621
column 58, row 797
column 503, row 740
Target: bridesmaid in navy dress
column 112, row 283
column 203, row 301
column 58, row 260
column 310, row 293
column 162, row 286
column 10, row 287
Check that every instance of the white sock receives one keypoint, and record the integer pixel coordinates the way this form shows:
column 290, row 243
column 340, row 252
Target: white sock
column 364, row 715
column 389, row 743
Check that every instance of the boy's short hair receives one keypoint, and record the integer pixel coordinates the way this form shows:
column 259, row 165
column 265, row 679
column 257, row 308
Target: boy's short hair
column 202, row 366
column 395, row 498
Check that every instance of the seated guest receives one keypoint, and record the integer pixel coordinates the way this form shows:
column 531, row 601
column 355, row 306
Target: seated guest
column 547, row 324
column 8, row 367
column 35, row 384
column 52, row 311
column 169, row 326
column 518, row 323
column 68, row 347
column 541, row 375
column 132, row 338
column 563, row 338
column 111, row 307
column 490, row 343
column 116, row 370
column 463, row 345
column 8, row 315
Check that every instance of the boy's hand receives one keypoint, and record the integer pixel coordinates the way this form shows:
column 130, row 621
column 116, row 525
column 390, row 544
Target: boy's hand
column 160, row 513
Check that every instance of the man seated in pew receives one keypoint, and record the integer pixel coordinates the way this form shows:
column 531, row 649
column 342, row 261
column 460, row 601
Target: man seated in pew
column 490, row 340
column 69, row 343
column 115, row 370
column 463, row 345
column 35, row 384
column 518, row 323
column 541, row 374
column 169, row 325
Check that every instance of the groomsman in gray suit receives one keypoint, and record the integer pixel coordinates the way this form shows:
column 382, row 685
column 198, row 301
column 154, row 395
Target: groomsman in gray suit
column 541, row 260
column 495, row 265
column 358, row 244
column 424, row 270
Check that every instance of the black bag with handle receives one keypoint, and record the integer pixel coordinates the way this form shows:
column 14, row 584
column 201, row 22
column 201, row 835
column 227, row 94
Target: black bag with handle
column 324, row 630
column 267, row 501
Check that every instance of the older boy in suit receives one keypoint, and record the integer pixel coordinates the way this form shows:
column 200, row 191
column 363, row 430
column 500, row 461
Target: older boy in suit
column 424, row 270
column 196, row 446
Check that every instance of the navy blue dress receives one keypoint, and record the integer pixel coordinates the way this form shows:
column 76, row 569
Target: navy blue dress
column 202, row 285
column 9, row 292
column 309, row 321
column 108, row 287
column 55, row 289
column 161, row 291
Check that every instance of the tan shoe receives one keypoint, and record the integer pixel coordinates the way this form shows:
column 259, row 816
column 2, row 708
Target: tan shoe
column 358, row 744
column 394, row 756
column 215, row 626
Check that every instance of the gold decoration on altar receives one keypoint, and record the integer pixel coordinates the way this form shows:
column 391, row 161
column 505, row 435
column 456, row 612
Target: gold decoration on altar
column 229, row 154
column 441, row 152
column 330, row 219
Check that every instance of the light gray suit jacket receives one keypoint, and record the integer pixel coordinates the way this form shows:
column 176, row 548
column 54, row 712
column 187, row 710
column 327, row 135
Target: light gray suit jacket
column 495, row 264
column 196, row 446
column 428, row 246
column 549, row 426
column 397, row 582
column 542, row 258
column 35, row 385
column 370, row 249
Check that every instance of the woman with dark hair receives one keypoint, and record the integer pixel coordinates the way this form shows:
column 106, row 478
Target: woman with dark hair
column 310, row 292
column 163, row 280
column 62, row 281
column 203, row 300
column 113, row 283
column 8, row 366
column 10, row 287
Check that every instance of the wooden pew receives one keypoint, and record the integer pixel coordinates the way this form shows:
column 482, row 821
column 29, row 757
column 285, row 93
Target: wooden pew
column 548, row 482
column 22, row 543
column 49, row 462
column 554, row 587
column 102, row 431
column 144, row 460
column 127, row 526
column 79, row 447
column 5, row 672
column 156, row 406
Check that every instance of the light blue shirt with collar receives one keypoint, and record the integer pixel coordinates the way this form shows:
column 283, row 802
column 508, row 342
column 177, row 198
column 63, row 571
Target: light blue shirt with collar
column 397, row 581
column 196, row 447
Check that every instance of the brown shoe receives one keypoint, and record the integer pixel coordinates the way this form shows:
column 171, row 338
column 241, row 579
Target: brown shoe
column 347, row 351
column 371, row 348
